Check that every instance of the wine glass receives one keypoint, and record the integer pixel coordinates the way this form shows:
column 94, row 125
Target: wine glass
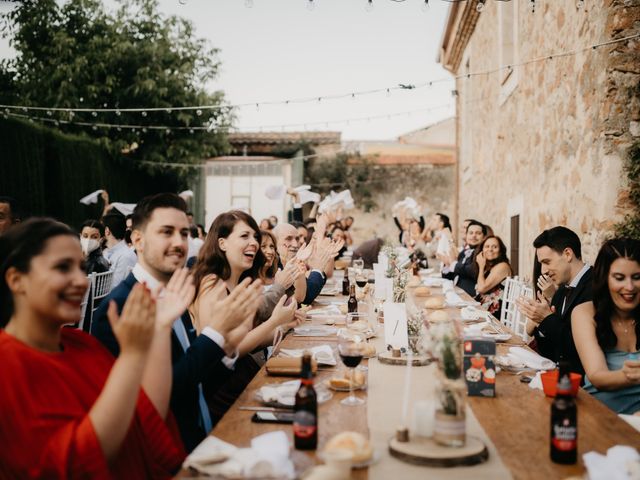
column 358, row 265
column 350, row 347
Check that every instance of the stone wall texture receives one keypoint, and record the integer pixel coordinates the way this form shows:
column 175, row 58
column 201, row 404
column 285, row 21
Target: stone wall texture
column 551, row 150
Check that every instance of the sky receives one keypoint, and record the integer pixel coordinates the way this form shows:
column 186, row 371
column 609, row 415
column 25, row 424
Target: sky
column 283, row 50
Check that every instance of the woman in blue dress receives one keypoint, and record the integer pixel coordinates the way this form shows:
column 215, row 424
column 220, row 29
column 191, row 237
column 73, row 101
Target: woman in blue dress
column 606, row 332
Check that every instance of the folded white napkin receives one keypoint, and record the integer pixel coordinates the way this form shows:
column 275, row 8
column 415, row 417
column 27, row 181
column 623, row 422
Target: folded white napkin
column 447, row 285
column 475, row 330
column 531, row 359
column 283, row 393
column 452, row 299
column 275, row 192
column 330, row 310
column 91, row 198
column 314, row 331
column 124, row 208
column 620, row 463
column 472, row 313
column 322, row 353
column 268, row 457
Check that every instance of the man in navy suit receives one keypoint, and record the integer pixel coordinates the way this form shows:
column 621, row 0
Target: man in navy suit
column 160, row 231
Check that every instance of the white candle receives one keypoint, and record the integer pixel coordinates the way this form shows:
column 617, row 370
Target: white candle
column 407, row 387
column 423, row 415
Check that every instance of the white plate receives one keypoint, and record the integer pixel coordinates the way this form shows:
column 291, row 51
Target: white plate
column 286, row 392
column 329, row 292
column 314, row 331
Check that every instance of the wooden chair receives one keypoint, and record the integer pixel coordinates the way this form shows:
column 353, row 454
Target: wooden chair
column 510, row 315
column 100, row 286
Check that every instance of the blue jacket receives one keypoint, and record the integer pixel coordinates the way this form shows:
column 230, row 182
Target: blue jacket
column 201, row 363
column 315, row 282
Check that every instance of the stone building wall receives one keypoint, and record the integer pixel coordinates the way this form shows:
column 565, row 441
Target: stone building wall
column 552, row 149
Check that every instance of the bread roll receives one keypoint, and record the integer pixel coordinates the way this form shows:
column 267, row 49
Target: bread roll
column 438, row 316
column 345, row 382
column 434, row 303
column 354, row 442
column 339, row 382
column 343, row 308
column 422, row 291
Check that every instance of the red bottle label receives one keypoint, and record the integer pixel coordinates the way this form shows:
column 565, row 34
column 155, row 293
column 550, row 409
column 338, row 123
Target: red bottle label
column 564, row 437
column 304, row 431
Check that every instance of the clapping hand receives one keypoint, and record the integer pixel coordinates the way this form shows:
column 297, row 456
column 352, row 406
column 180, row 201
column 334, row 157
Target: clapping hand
column 283, row 314
column 535, row 310
column 305, row 251
column 174, row 298
column 546, row 286
column 335, row 247
column 288, row 275
column 134, row 327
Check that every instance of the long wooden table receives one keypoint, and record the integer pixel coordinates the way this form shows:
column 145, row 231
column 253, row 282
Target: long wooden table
column 517, row 420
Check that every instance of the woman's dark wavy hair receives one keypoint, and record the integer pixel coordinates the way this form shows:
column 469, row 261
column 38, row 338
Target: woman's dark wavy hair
column 269, row 272
column 502, row 255
column 611, row 250
column 212, row 259
column 18, row 246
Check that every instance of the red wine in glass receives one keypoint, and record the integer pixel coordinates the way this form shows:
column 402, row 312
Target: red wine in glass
column 351, row 360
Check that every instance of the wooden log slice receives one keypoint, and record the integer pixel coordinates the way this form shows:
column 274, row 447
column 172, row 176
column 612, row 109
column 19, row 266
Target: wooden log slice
column 389, row 359
column 424, row 451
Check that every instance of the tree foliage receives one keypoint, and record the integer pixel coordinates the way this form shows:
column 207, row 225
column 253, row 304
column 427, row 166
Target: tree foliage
column 359, row 174
column 630, row 225
column 78, row 54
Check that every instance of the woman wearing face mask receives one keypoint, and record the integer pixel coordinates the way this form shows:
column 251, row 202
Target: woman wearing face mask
column 607, row 331
column 91, row 237
column 493, row 269
column 70, row 410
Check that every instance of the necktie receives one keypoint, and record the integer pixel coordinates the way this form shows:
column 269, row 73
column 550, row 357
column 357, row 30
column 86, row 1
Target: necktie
column 567, row 293
column 205, row 417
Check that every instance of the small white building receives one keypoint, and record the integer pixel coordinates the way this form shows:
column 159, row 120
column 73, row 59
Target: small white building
column 239, row 182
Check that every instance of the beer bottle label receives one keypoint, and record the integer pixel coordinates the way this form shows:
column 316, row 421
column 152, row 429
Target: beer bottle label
column 565, row 436
column 304, row 424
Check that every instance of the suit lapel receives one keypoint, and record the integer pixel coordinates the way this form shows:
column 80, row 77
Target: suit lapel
column 577, row 292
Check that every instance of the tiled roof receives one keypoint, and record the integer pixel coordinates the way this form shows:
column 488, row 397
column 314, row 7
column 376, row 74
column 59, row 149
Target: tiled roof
column 273, row 138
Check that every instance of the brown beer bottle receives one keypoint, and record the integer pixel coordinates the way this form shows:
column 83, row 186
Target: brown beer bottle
column 352, row 303
column 305, row 421
column 345, row 284
column 564, row 421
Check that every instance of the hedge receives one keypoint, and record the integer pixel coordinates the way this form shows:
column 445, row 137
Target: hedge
column 48, row 172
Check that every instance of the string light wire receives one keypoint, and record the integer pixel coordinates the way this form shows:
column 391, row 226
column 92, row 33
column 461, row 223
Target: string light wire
column 317, row 98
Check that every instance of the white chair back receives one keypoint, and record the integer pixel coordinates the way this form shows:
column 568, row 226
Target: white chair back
column 100, row 286
column 510, row 315
column 85, row 300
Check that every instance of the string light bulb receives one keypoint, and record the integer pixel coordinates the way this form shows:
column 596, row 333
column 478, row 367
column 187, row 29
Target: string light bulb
column 248, row 3
column 369, row 6
column 425, row 6
column 480, row 6
column 310, row 5
column 532, row 3
column 580, row 4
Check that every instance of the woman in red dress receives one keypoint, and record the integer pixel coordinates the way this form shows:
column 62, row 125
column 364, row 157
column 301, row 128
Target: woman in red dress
column 67, row 408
